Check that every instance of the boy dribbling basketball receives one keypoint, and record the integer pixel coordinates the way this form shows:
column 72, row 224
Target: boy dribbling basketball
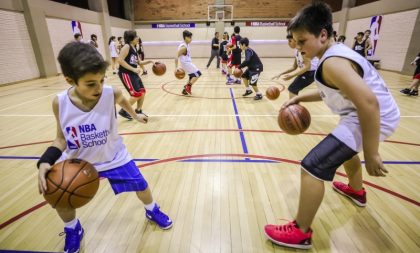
column 353, row 89
column 87, row 129
column 184, row 57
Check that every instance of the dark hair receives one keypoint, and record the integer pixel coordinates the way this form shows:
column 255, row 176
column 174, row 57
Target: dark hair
column 111, row 39
column 93, row 36
column 140, row 41
column 186, row 34
column 237, row 29
column 129, row 36
column 119, row 38
column 227, row 35
column 77, row 35
column 289, row 36
column 361, row 34
column 77, row 59
column 216, row 33
column 313, row 18
column 368, row 31
column 341, row 38
column 244, row 41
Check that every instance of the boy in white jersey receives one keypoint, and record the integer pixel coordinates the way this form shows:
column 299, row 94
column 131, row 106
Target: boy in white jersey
column 353, row 89
column 91, row 103
column 303, row 69
column 184, row 57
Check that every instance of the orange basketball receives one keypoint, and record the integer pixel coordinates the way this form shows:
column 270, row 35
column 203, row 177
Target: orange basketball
column 237, row 73
column 294, row 119
column 272, row 92
column 71, row 183
column 159, row 68
column 179, row 73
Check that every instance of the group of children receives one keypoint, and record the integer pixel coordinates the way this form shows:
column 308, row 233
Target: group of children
column 346, row 82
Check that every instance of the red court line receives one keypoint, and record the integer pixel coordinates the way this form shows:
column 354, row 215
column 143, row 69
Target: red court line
column 26, row 212
column 209, row 130
column 22, row 214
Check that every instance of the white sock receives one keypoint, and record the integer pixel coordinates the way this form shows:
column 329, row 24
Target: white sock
column 150, row 206
column 259, row 93
column 71, row 224
column 249, row 88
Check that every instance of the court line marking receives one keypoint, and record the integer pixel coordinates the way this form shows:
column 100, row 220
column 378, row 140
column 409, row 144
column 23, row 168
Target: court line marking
column 201, row 115
column 238, row 122
column 180, row 158
column 27, row 102
column 206, row 130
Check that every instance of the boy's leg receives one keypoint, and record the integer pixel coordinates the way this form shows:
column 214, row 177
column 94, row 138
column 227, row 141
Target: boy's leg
column 354, row 189
column 245, row 79
column 145, row 196
column 310, row 198
column 72, row 228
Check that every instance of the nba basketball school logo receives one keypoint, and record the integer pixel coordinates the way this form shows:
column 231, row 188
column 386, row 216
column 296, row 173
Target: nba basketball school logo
column 72, row 141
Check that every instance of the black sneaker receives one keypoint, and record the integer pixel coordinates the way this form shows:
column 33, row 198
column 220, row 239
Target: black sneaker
column 247, row 93
column 184, row 92
column 125, row 114
column 144, row 73
column 140, row 112
column 405, row 91
column 414, row 93
column 258, row 97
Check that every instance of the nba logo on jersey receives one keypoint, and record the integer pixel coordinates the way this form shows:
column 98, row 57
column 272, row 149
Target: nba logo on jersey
column 72, row 134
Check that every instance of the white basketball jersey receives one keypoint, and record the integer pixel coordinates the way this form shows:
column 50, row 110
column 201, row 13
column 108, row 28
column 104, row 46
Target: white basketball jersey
column 342, row 106
column 92, row 136
column 300, row 62
column 185, row 60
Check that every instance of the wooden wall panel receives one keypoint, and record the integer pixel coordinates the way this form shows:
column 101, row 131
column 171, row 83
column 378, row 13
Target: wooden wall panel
column 148, row 10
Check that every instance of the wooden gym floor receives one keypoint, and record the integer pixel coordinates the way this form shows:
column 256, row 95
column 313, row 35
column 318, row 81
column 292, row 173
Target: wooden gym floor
column 217, row 163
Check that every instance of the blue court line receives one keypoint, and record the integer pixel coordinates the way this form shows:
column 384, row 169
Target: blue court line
column 238, row 121
column 201, row 160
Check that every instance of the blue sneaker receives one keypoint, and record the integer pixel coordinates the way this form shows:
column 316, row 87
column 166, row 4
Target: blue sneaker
column 229, row 80
column 73, row 238
column 163, row 221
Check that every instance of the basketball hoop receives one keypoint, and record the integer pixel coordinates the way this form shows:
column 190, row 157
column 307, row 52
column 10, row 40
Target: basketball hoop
column 220, row 12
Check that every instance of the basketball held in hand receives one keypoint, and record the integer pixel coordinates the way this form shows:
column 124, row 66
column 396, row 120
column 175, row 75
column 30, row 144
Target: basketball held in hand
column 272, row 92
column 159, row 68
column 179, row 73
column 294, row 119
column 237, row 73
column 71, row 184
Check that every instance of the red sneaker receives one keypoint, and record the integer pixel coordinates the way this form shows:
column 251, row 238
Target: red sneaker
column 358, row 197
column 289, row 235
column 188, row 88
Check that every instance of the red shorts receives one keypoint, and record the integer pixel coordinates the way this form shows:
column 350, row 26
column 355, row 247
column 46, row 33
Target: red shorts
column 417, row 76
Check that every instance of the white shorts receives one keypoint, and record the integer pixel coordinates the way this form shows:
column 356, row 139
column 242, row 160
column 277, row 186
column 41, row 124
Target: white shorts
column 189, row 67
column 350, row 132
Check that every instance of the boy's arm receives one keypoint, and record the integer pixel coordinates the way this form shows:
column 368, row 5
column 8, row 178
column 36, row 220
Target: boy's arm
column 122, row 62
column 123, row 102
column 368, row 46
column 181, row 51
column 312, row 96
column 145, row 62
column 247, row 60
column 299, row 71
column 58, row 146
column 287, row 71
column 341, row 73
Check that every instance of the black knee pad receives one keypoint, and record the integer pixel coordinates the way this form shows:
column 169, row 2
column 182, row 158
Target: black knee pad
column 325, row 158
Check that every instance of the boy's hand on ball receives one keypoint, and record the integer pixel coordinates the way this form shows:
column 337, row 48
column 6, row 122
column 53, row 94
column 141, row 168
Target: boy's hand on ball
column 42, row 183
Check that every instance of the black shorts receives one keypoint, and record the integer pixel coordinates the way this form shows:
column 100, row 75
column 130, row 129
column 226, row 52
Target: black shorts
column 324, row 159
column 132, row 83
column 195, row 74
column 236, row 59
column 302, row 81
column 252, row 76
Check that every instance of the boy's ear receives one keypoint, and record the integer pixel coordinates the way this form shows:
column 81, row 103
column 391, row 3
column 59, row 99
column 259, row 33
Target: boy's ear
column 69, row 80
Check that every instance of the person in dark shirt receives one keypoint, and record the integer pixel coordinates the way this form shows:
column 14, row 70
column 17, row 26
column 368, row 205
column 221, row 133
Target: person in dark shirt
column 254, row 68
column 223, row 52
column 359, row 44
column 214, row 50
column 413, row 90
column 235, row 59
